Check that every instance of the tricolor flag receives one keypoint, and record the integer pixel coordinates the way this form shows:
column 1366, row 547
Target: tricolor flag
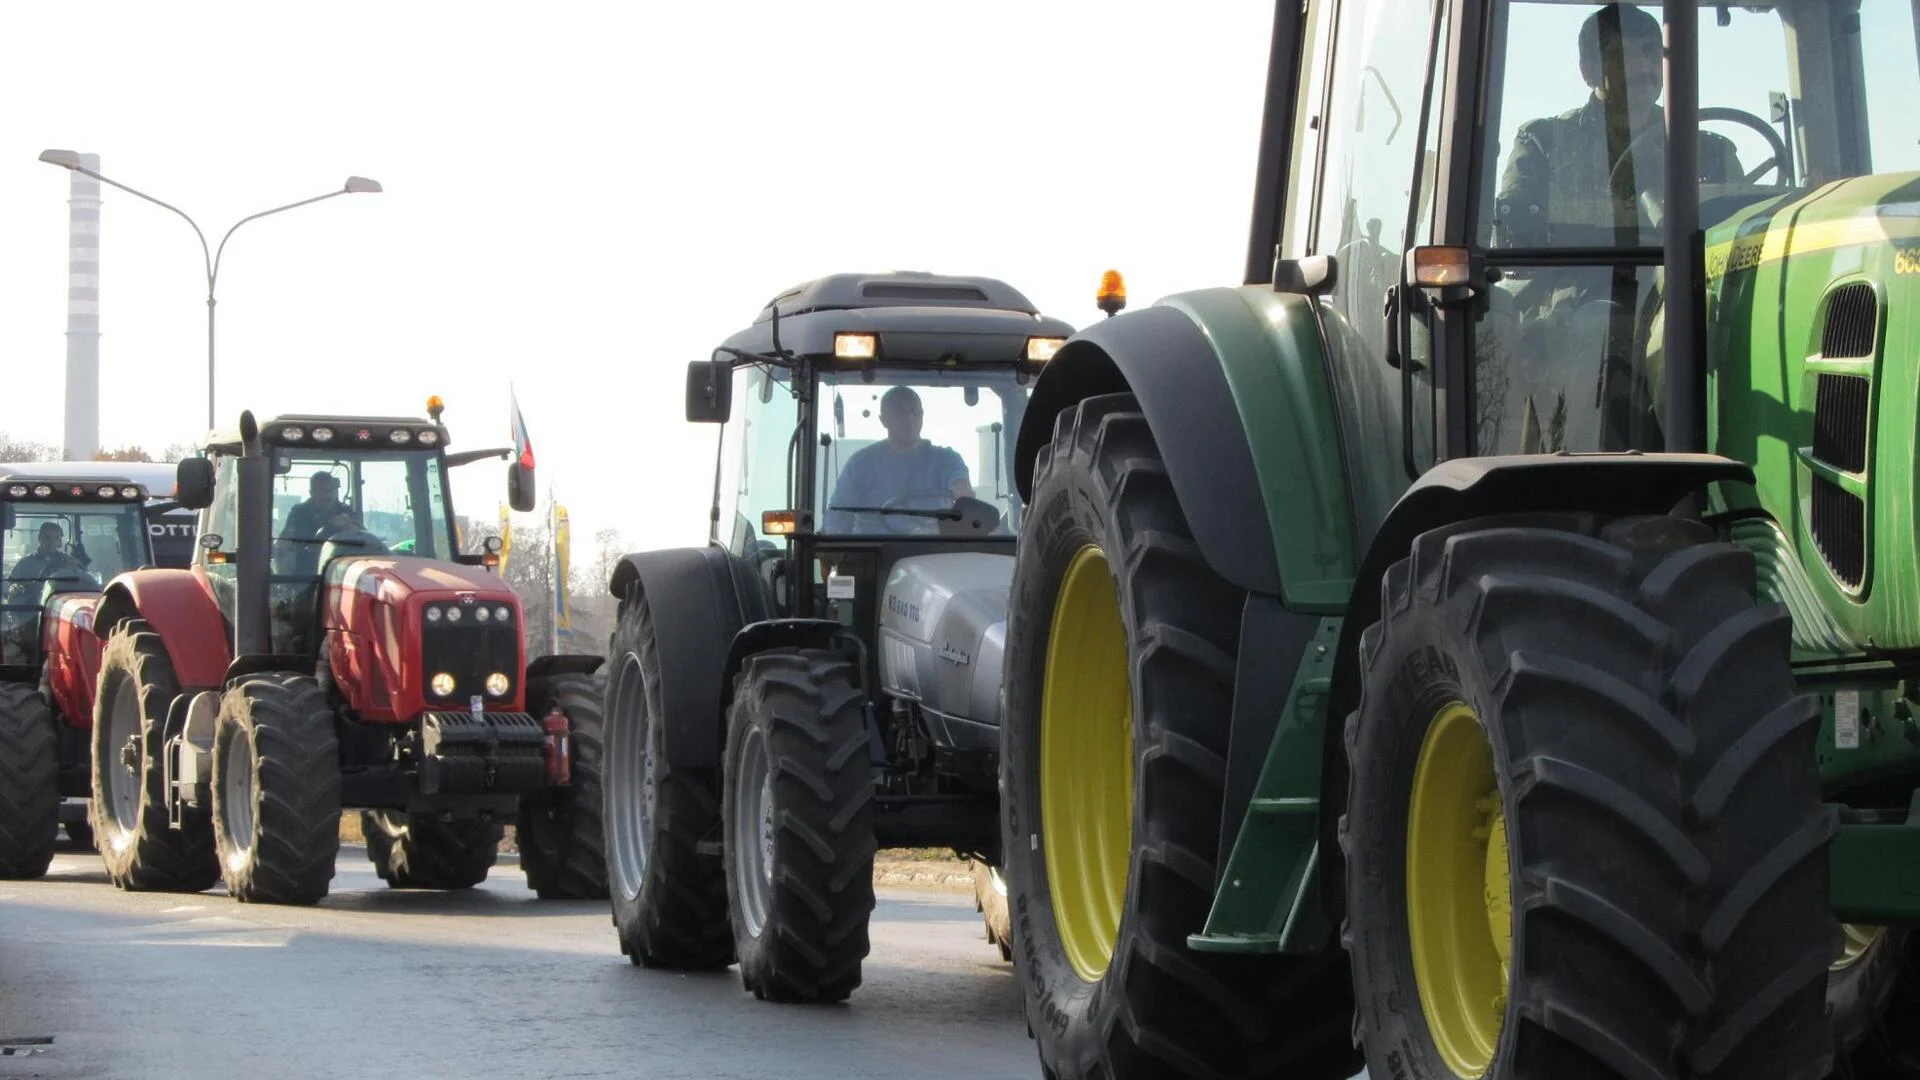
column 522, row 446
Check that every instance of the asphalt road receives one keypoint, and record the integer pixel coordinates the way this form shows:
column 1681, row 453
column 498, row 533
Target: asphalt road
column 487, row 983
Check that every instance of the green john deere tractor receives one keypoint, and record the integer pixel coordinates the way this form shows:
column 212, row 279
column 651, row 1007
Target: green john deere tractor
column 1481, row 644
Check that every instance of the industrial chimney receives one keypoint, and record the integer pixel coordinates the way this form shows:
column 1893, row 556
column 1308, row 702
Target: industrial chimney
column 82, row 437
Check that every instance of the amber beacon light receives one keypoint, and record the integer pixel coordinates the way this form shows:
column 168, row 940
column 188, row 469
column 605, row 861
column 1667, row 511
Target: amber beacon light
column 1113, row 293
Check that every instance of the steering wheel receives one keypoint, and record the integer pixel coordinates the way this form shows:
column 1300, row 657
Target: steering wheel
column 1653, row 204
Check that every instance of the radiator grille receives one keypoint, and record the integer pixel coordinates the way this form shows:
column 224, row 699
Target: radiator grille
column 1840, row 422
column 1852, row 312
column 1839, row 527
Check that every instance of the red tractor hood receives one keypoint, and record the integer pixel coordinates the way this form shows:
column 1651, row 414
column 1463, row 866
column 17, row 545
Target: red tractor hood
column 392, row 578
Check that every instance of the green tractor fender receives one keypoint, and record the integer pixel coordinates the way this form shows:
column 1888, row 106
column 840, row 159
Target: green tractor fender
column 1235, row 393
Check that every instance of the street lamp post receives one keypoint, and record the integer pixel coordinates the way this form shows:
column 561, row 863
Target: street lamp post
column 355, row 185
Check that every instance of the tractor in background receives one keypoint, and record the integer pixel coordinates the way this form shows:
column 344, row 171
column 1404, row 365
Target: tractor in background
column 62, row 539
column 1482, row 643
column 822, row 679
column 336, row 651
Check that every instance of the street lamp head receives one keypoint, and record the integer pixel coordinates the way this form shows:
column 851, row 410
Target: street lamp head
column 66, row 159
column 356, row 185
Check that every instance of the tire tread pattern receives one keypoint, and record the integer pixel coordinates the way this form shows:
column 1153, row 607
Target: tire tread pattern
column 290, row 857
column 29, row 783
column 810, row 712
column 560, row 834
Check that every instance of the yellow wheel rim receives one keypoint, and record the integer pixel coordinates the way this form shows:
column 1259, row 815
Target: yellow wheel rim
column 1854, row 942
column 1086, row 764
column 1459, row 904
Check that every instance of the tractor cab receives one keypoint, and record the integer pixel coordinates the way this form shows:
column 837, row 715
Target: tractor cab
column 335, row 486
column 1493, row 177
column 869, row 419
column 58, row 536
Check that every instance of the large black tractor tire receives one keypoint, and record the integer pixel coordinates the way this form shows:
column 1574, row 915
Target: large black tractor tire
column 419, row 851
column 29, row 783
column 669, row 899
column 1584, row 835
column 562, row 842
column 1141, row 697
column 127, row 808
column 799, row 826
column 1873, row 992
column 276, row 790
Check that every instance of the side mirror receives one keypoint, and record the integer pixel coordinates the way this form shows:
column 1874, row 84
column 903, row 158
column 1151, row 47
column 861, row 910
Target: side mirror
column 193, row 479
column 520, row 490
column 709, row 391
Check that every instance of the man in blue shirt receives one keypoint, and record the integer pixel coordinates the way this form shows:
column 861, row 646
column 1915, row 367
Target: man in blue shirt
column 902, row 464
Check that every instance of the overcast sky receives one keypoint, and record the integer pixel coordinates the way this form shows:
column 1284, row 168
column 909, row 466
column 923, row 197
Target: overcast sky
column 580, row 198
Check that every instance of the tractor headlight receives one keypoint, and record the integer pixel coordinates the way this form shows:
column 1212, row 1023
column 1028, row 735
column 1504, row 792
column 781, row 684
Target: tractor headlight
column 503, row 613
column 483, row 613
column 400, row 435
column 443, row 684
column 453, row 614
column 18, row 491
column 429, row 438
column 498, row 684
column 43, row 490
column 106, row 491
column 433, row 614
column 1041, row 349
column 129, row 492
column 323, row 434
column 855, row 346
column 293, row 434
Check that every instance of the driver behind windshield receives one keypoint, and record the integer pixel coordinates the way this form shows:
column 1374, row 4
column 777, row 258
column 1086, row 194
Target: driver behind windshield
column 314, row 519
column 49, row 559
column 897, row 467
column 1560, row 184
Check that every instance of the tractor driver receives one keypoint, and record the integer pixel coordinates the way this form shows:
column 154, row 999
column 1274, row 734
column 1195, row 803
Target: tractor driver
column 1573, row 181
column 897, row 467
column 1560, row 185
column 320, row 515
column 49, row 559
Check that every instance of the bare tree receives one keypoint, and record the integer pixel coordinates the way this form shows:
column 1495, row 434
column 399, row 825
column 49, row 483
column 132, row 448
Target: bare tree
column 124, row 453
column 12, row 449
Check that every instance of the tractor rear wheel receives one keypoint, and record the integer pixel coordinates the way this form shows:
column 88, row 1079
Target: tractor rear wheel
column 1121, row 650
column 669, row 899
column 276, row 790
column 1584, row 835
column 799, row 825
column 419, row 851
column 29, row 783
column 128, row 805
column 563, row 849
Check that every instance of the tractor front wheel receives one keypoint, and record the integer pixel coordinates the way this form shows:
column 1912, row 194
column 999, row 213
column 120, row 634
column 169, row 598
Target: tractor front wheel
column 276, row 790
column 799, row 826
column 669, row 898
column 1122, row 645
column 128, row 805
column 29, row 783
column 562, row 846
column 419, row 851
column 1584, row 836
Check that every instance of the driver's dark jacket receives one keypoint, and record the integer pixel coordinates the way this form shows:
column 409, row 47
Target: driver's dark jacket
column 1559, row 189
column 304, row 521
column 42, row 563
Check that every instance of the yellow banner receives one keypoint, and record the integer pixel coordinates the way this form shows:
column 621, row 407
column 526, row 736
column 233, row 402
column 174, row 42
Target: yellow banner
column 562, row 542
column 506, row 535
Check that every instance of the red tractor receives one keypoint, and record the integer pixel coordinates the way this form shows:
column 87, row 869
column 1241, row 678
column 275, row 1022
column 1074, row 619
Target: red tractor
column 61, row 539
column 329, row 648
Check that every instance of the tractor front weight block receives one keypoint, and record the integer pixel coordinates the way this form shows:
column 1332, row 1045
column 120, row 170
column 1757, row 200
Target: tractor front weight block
column 488, row 752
